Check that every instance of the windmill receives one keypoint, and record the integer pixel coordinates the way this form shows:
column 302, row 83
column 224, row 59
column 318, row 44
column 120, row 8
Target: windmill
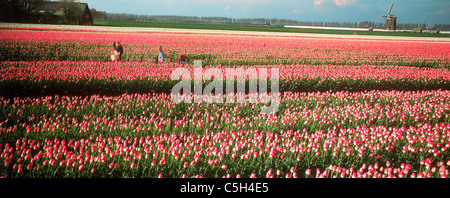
column 391, row 20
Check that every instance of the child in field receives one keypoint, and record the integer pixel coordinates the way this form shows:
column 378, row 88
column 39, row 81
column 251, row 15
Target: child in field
column 182, row 59
column 116, row 55
column 160, row 55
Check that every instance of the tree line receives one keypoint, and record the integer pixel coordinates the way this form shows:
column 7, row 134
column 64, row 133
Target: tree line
column 263, row 21
column 34, row 11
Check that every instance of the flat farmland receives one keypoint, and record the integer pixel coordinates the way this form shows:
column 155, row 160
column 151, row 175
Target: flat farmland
column 351, row 106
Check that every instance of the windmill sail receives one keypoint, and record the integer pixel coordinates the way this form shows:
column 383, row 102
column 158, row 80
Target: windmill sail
column 391, row 22
column 390, row 9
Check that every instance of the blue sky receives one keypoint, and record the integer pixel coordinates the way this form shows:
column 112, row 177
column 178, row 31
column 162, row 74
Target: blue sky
column 407, row 11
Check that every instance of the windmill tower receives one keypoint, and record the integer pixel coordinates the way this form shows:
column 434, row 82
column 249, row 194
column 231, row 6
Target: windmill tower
column 391, row 20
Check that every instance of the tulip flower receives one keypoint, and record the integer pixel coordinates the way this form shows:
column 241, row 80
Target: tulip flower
column 308, row 171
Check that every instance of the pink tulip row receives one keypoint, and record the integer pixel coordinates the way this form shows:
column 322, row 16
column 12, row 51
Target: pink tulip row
column 114, row 152
column 238, row 47
column 214, row 140
column 76, row 70
column 380, row 171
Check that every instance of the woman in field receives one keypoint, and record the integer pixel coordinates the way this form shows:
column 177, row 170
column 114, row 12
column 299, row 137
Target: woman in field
column 116, row 55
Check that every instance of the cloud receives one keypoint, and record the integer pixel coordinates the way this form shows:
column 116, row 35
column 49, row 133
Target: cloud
column 227, row 8
column 297, row 10
column 319, row 2
column 343, row 2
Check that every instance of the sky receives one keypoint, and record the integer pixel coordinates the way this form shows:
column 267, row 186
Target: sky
column 407, row 11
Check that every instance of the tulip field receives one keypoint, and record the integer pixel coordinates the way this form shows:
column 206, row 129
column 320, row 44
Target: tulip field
column 349, row 108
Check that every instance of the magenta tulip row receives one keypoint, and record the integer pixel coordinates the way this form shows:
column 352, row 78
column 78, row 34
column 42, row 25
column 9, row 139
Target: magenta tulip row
column 76, row 70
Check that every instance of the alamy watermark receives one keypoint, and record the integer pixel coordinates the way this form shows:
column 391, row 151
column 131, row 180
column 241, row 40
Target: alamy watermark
column 182, row 92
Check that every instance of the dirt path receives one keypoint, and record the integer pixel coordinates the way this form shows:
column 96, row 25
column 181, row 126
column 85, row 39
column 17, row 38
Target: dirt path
column 172, row 30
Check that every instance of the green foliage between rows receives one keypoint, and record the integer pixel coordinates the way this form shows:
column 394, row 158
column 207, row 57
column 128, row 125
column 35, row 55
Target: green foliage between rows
column 86, row 87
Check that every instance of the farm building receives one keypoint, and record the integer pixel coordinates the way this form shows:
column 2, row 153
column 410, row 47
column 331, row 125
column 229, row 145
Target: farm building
column 50, row 8
column 47, row 12
column 5, row 13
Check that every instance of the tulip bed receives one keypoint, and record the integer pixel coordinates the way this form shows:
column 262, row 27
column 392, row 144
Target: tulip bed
column 336, row 134
column 219, row 49
column 84, row 78
column 348, row 108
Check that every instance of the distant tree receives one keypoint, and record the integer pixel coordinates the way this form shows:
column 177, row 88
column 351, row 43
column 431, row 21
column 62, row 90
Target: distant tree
column 48, row 18
column 438, row 27
column 424, row 26
column 98, row 14
column 22, row 9
column 408, row 26
column 72, row 12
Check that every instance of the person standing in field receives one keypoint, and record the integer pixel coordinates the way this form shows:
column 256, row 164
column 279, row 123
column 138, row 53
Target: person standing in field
column 116, row 55
column 182, row 59
column 160, row 55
